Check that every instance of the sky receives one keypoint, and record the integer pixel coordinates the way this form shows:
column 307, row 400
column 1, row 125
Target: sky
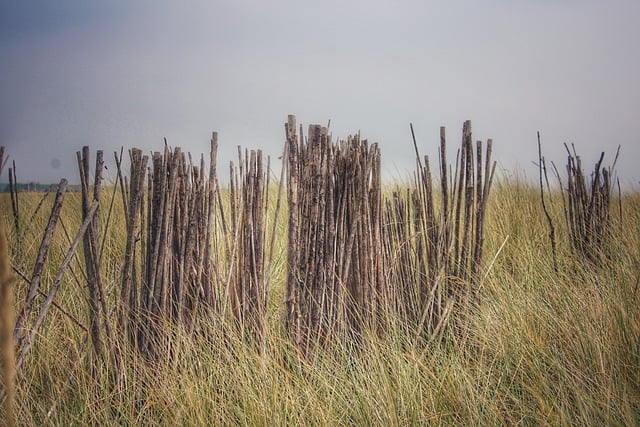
column 130, row 73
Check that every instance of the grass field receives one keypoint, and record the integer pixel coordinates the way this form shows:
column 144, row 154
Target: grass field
column 539, row 348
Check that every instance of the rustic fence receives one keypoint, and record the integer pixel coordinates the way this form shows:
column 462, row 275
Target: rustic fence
column 436, row 236
column 200, row 256
column 335, row 280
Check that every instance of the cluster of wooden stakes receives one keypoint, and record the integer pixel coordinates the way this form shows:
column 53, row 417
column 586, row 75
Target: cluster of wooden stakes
column 202, row 256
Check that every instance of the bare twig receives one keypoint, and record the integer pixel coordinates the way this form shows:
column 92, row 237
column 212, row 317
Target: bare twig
column 56, row 284
column 34, row 283
column 552, row 231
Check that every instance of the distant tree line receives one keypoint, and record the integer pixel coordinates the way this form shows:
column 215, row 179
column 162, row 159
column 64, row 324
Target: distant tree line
column 35, row 187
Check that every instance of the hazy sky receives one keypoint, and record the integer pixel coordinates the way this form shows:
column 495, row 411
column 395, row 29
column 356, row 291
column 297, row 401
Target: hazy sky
column 114, row 73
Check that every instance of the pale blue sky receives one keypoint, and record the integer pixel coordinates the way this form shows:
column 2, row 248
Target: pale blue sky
column 130, row 73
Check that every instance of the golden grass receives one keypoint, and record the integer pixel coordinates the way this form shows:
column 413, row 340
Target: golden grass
column 540, row 347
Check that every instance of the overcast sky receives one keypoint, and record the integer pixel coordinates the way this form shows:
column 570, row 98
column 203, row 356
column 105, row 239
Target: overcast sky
column 114, row 73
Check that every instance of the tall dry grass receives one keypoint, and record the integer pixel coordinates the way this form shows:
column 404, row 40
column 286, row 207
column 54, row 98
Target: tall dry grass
column 540, row 347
